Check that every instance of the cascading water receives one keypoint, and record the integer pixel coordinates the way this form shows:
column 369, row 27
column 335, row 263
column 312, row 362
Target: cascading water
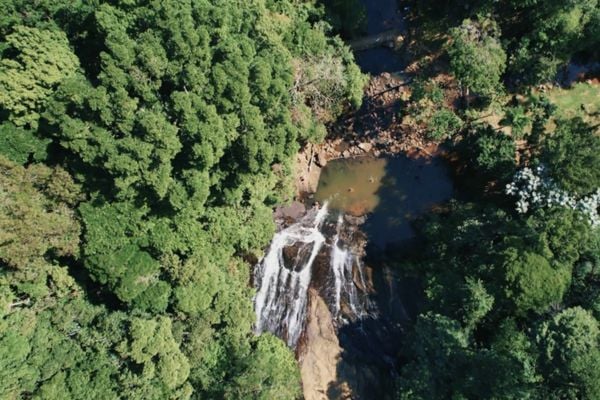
column 342, row 263
column 280, row 303
column 284, row 275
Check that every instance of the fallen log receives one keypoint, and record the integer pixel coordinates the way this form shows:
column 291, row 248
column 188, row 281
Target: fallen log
column 392, row 37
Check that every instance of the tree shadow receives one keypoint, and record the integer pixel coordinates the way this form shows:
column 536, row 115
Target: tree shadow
column 372, row 347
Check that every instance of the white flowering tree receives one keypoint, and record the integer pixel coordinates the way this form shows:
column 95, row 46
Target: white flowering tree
column 533, row 188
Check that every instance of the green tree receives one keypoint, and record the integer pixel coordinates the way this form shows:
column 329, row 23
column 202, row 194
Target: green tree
column 19, row 145
column 518, row 120
column 532, row 284
column 490, row 153
column 36, row 215
column 34, row 62
column 570, row 354
column 438, row 351
column 477, row 58
column 443, row 124
column 572, row 154
column 269, row 373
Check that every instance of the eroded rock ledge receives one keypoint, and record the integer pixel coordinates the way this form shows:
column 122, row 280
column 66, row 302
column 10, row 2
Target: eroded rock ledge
column 376, row 129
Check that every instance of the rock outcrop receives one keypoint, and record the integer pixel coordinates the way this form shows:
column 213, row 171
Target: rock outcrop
column 320, row 352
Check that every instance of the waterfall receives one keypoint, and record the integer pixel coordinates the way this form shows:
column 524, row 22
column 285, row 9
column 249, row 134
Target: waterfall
column 280, row 303
column 342, row 264
column 284, row 275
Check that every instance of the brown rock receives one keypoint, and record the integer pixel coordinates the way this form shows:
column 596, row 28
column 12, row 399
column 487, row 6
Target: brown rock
column 294, row 211
column 307, row 172
column 321, row 158
column 319, row 359
column 366, row 147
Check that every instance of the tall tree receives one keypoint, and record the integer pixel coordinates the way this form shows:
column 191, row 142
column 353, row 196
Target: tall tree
column 477, row 58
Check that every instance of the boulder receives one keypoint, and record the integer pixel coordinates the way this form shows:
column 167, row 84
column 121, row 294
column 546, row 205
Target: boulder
column 321, row 158
column 366, row 147
column 294, row 211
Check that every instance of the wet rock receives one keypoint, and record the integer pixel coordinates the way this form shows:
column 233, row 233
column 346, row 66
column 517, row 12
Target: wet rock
column 320, row 271
column 321, row 351
column 355, row 220
column 294, row 211
column 290, row 254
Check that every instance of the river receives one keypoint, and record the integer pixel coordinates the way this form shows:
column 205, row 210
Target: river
column 337, row 255
column 382, row 15
column 391, row 192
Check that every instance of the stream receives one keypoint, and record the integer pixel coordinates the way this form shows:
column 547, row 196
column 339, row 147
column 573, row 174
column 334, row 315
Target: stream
column 362, row 211
column 382, row 15
column 337, row 254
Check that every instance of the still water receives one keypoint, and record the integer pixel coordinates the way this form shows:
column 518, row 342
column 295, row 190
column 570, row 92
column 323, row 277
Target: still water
column 390, row 191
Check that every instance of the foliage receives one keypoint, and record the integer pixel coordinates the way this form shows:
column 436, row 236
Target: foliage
column 348, row 17
column 19, row 145
column 537, row 190
column 172, row 118
column 443, row 124
column 538, row 36
column 427, row 107
column 495, row 277
column 555, row 31
column 34, row 62
column 532, row 284
column 477, row 58
column 34, row 223
column 570, row 354
column 438, row 349
column 426, row 90
column 490, row 153
column 572, row 155
column 517, row 118
column 259, row 380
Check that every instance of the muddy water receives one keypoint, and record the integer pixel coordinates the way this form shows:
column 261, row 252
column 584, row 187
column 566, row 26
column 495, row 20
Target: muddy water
column 352, row 185
column 390, row 191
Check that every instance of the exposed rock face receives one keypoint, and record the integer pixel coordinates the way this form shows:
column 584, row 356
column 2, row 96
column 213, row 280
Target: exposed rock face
column 321, row 351
column 307, row 172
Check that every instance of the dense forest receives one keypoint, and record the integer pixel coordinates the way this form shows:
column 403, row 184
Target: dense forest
column 144, row 144
column 511, row 274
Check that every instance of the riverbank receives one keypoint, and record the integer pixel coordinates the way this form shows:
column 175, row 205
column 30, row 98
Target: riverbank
column 375, row 130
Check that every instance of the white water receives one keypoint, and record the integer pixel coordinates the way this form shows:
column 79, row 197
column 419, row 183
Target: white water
column 284, row 275
column 280, row 303
column 342, row 262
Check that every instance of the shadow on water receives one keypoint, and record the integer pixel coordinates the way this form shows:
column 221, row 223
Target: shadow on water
column 371, row 346
column 382, row 15
column 392, row 192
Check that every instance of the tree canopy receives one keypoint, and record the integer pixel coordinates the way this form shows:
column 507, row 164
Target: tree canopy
column 142, row 146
